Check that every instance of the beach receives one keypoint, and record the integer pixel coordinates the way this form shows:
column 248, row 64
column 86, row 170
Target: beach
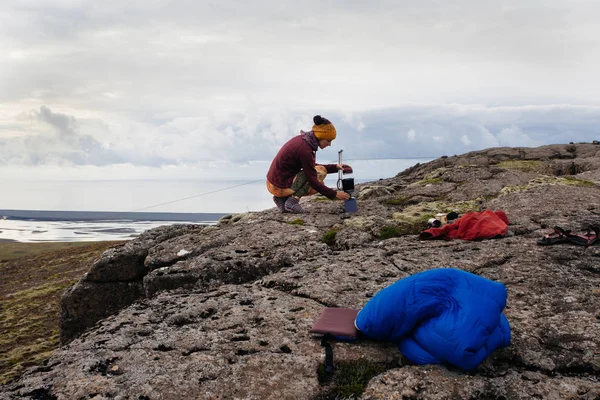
column 31, row 226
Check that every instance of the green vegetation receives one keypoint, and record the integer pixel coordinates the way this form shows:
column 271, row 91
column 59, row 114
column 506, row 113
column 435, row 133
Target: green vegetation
column 569, row 180
column 329, row 237
column 364, row 224
column 297, row 221
column 398, row 201
column 435, row 176
column 430, row 181
column 389, row 232
column 412, row 228
column 547, row 181
column 415, row 216
column 13, row 250
column 412, row 220
column 522, row 165
column 573, row 169
column 34, row 276
column 349, row 379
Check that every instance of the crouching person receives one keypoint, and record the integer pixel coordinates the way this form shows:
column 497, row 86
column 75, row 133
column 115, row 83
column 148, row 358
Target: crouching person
column 294, row 172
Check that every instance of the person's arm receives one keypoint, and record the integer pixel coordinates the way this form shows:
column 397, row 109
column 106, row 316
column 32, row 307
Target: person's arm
column 331, row 168
column 308, row 165
column 334, row 168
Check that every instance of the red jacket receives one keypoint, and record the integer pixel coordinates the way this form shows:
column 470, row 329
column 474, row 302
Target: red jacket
column 471, row 226
column 294, row 156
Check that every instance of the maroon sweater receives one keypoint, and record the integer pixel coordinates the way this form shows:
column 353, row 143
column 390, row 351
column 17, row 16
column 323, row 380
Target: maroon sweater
column 296, row 155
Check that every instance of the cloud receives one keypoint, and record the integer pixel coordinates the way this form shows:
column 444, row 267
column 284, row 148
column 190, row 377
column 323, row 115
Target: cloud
column 64, row 125
column 514, row 137
column 180, row 57
column 177, row 83
column 56, row 138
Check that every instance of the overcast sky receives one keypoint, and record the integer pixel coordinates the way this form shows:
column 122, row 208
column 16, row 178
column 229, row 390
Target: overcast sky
column 117, row 89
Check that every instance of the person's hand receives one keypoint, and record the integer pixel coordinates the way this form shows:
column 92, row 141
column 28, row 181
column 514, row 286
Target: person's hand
column 342, row 195
column 345, row 167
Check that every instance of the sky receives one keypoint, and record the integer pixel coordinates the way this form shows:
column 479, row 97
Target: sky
column 102, row 90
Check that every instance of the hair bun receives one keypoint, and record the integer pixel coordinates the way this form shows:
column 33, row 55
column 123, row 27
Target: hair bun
column 318, row 120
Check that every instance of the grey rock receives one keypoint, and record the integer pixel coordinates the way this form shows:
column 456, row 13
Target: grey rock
column 114, row 281
column 368, row 192
column 438, row 383
column 224, row 312
column 85, row 303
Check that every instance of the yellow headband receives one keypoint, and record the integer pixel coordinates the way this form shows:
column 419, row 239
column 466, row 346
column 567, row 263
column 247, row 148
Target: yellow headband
column 324, row 131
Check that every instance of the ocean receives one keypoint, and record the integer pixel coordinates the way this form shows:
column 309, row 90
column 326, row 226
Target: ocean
column 95, row 210
column 42, row 211
column 77, row 226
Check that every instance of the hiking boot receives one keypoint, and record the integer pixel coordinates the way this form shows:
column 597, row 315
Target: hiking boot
column 280, row 203
column 292, row 204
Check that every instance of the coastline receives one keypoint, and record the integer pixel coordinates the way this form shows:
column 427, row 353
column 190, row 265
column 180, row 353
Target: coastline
column 34, row 226
column 102, row 216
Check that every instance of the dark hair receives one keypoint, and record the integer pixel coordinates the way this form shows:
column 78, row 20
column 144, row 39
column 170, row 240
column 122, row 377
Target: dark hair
column 318, row 120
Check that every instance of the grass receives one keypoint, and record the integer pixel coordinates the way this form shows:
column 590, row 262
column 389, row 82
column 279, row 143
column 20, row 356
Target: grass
column 578, row 182
column 349, row 379
column 433, row 177
column 34, row 276
column 297, row 221
column 13, row 250
column 329, row 237
column 398, row 201
column 388, row 232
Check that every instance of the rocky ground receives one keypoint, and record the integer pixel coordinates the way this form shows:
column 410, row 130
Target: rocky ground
column 224, row 312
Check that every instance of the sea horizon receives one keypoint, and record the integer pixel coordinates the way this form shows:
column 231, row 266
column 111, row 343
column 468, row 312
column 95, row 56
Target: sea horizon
column 121, row 209
column 99, row 216
column 36, row 226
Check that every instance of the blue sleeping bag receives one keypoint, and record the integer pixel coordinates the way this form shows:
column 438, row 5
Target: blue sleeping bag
column 439, row 316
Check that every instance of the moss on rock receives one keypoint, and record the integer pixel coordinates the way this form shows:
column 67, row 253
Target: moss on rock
column 522, row 165
column 329, row 237
column 547, row 181
column 420, row 213
column 388, row 232
column 361, row 223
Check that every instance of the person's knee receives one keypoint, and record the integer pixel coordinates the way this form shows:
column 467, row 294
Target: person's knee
column 321, row 172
